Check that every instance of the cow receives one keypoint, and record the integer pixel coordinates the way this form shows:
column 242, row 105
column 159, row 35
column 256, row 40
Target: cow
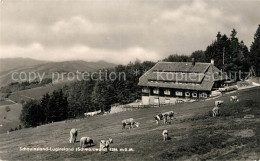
column 169, row 114
column 130, row 122
column 104, row 144
column 158, row 118
column 92, row 113
column 218, row 103
column 165, row 135
column 234, row 99
column 73, row 135
column 215, row 111
column 85, row 141
column 164, row 116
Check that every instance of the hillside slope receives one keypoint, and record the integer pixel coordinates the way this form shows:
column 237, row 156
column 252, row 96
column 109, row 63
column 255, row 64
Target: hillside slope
column 10, row 119
column 194, row 136
column 35, row 93
column 48, row 68
column 14, row 63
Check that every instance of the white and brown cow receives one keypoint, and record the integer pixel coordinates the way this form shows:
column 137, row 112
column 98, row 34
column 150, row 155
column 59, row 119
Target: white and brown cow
column 215, row 111
column 234, row 99
column 129, row 122
column 164, row 116
column 85, row 141
column 104, row 145
column 73, row 135
column 218, row 103
column 158, row 118
column 165, row 135
column 169, row 114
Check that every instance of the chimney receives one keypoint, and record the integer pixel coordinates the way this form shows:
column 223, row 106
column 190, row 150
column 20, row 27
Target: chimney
column 193, row 61
column 212, row 62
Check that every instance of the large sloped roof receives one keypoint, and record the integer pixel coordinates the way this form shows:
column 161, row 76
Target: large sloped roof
column 186, row 67
column 181, row 75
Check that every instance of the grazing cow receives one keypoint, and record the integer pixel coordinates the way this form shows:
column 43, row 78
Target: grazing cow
column 169, row 114
column 164, row 116
column 92, row 113
column 165, row 135
column 130, row 122
column 73, row 135
column 215, row 111
column 218, row 103
column 158, row 118
column 104, row 144
column 234, row 99
column 84, row 141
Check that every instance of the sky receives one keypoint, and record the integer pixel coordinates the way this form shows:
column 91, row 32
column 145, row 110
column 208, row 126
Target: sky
column 120, row 31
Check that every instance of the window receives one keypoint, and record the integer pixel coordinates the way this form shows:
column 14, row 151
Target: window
column 167, row 92
column 204, row 95
column 156, row 91
column 187, row 94
column 194, row 94
column 178, row 93
column 145, row 90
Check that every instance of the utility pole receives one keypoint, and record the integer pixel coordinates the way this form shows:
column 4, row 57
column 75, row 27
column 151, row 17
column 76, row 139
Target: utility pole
column 223, row 55
column 158, row 95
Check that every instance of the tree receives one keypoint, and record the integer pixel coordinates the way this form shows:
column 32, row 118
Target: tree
column 177, row 58
column 229, row 54
column 254, row 57
column 30, row 115
column 199, row 56
column 45, row 106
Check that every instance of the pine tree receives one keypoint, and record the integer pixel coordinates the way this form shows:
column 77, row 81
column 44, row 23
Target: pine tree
column 45, row 106
column 255, row 52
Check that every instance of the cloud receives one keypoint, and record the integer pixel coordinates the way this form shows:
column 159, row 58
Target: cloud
column 79, row 52
column 158, row 27
column 78, row 25
column 198, row 15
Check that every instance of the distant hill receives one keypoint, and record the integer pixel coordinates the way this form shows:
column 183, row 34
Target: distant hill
column 49, row 67
column 13, row 63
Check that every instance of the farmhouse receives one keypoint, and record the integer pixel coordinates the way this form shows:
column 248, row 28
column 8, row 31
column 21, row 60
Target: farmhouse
column 167, row 81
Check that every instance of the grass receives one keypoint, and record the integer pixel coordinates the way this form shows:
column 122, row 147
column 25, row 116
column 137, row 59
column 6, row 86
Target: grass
column 10, row 119
column 194, row 134
column 35, row 93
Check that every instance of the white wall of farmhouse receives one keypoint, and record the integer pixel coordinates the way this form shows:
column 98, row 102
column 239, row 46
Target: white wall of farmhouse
column 145, row 100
